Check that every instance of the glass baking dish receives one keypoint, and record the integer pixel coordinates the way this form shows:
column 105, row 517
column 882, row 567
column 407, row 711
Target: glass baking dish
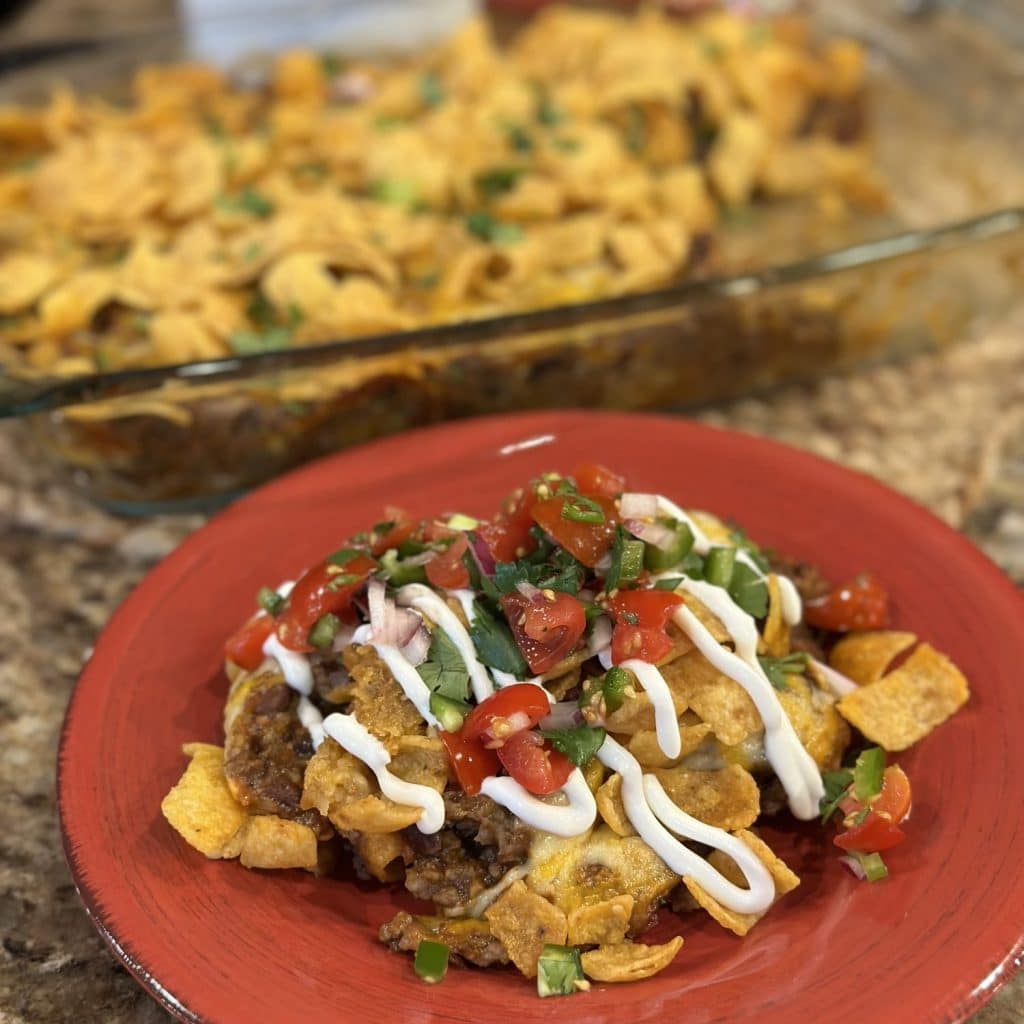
column 791, row 297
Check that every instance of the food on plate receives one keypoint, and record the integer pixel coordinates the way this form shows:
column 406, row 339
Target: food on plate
column 553, row 722
column 204, row 216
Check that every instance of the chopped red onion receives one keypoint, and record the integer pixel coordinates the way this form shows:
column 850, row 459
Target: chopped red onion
column 416, row 649
column 482, row 554
column 343, row 637
column 391, row 624
column 528, row 590
column 564, row 715
column 658, row 534
column 854, row 867
column 839, row 684
column 638, row 506
column 586, row 594
column 604, row 564
column 600, row 634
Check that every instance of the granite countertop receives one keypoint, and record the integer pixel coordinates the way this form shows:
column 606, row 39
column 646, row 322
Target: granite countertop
column 946, row 429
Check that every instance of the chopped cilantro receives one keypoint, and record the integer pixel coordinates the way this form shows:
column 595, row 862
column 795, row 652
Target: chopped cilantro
column 776, row 669
column 519, row 138
column 444, row 671
column 331, row 64
column 248, row 343
column 493, row 641
column 496, row 181
column 836, row 786
column 432, row 90
column 247, row 201
column 343, row 556
column 395, row 192
column 489, row 229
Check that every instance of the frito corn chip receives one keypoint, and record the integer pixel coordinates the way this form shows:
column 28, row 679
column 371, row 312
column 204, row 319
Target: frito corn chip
column 378, row 701
column 785, row 881
column 383, row 855
column 373, row 815
column 334, row 778
column 525, row 922
column 588, row 869
column 776, row 630
column 905, row 705
column 611, row 808
column 864, row 657
column 23, row 278
column 728, row 798
column 270, row 842
column 644, row 745
column 200, row 806
column 422, row 760
column 601, row 924
column 629, row 961
column 819, row 726
column 717, row 699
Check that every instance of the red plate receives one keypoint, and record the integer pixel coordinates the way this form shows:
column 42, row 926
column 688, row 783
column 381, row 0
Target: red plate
column 215, row 942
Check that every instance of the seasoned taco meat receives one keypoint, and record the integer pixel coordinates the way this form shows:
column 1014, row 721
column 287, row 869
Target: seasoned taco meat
column 266, row 749
column 479, row 843
column 469, row 938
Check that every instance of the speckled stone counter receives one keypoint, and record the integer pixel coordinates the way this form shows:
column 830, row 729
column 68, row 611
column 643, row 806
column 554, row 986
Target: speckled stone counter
column 948, row 430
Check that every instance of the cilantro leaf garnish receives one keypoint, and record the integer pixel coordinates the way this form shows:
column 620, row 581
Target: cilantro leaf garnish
column 496, row 181
column 444, row 671
column 493, row 641
column 836, row 786
column 776, row 669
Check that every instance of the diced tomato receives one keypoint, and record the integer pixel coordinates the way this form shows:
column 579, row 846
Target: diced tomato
column 641, row 618
column 471, row 761
column 510, row 710
column 860, row 604
column 394, row 537
column 593, row 478
column 872, row 835
column 447, row 568
column 894, row 800
column 508, row 536
column 245, row 648
column 546, row 629
column 534, row 764
column 587, row 542
column 317, row 593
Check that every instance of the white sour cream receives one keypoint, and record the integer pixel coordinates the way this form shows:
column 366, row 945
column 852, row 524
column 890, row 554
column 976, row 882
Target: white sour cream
column 795, row 768
column 666, row 722
column 408, row 679
column 294, row 665
column 570, row 819
column 351, row 734
column 424, row 600
column 312, row 720
column 683, row 861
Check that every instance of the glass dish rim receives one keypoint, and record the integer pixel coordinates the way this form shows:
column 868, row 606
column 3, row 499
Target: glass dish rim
column 30, row 394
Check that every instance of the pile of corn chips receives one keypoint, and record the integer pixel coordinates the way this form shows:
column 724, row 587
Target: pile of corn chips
column 599, row 890
column 204, row 219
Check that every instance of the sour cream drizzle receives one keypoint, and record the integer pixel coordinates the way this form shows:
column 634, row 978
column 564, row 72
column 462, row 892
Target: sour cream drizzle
column 424, row 600
column 569, row 819
column 666, row 721
column 645, row 802
column 313, row 721
column 351, row 734
column 795, row 768
column 294, row 665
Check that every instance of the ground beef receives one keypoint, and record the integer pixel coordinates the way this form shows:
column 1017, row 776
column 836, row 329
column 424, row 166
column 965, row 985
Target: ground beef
column 808, row 578
column 479, row 843
column 467, row 938
column 332, row 684
column 265, row 755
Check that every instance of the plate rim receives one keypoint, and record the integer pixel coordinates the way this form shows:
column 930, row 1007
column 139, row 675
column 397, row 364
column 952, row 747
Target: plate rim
column 553, row 421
